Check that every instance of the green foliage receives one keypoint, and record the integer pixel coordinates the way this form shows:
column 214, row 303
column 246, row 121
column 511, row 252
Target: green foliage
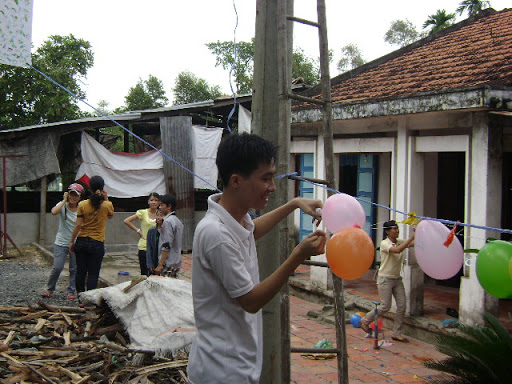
column 351, row 57
column 401, row 33
column 302, row 65
column 479, row 355
column 27, row 98
column 439, row 20
column 244, row 66
column 146, row 94
column 472, row 7
column 305, row 67
column 189, row 88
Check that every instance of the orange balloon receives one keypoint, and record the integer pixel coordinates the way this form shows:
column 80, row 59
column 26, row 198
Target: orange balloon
column 350, row 253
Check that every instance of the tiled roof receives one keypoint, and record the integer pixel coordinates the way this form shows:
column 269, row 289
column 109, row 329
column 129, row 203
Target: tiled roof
column 474, row 52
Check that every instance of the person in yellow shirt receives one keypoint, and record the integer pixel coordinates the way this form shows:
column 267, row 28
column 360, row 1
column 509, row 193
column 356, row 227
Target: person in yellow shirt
column 89, row 233
column 147, row 218
column 389, row 280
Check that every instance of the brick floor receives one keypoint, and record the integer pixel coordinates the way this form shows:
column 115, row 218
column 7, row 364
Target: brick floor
column 398, row 363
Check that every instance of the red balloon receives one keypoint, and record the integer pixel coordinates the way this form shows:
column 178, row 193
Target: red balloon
column 350, row 253
column 379, row 323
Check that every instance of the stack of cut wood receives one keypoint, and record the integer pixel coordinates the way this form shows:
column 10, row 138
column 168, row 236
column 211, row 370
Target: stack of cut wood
column 50, row 344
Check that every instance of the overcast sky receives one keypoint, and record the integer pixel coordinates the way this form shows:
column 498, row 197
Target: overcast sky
column 133, row 39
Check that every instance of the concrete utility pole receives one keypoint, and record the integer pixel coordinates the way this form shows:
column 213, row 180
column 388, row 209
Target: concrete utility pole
column 271, row 117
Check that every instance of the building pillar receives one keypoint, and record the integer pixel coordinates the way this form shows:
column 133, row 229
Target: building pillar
column 413, row 276
column 486, row 157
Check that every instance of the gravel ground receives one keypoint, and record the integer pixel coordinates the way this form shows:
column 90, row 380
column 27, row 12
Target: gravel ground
column 23, row 279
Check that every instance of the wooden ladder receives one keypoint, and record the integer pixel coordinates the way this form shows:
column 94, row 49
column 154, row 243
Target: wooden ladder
column 326, row 105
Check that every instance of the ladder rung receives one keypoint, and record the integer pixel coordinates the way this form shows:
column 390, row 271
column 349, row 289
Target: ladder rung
column 306, row 99
column 303, row 21
column 314, row 350
column 315, row 263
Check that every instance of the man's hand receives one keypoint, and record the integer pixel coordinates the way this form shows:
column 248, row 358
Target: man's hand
column 158, row 270
column 71, row 247
column 311, row 207
column 313, row 244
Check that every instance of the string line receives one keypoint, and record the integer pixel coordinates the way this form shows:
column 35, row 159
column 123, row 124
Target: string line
column 233, row 65
column 121, row 126
column 295, row 175
column 451, row 222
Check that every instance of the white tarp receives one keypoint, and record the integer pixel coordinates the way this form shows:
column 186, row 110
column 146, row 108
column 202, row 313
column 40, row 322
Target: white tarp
column 15, row 32
column 157, row 313
column 125, row 174
column 206, row 141
column 244, row 120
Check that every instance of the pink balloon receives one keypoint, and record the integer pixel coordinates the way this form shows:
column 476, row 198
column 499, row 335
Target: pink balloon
column 342, row 211
column 434, row 258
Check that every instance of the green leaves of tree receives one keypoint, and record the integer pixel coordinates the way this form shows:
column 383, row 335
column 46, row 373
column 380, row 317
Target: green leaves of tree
column 26, row 98
column 189, row 88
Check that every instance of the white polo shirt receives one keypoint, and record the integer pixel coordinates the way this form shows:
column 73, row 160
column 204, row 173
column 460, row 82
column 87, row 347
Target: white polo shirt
column 228, row 347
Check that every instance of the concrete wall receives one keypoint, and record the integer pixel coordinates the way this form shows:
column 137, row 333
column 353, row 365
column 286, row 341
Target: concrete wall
column 23, row 228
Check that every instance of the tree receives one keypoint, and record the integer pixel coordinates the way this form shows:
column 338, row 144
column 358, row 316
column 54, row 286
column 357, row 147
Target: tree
column 146, row 94
column 27, row 98
column 477, row 355
column 189, row 88
column 472, row 7
column 305, row 67
column 351, row 57
column 302, row 65
column 243, row 69
column 401, row 33
column 439, row 20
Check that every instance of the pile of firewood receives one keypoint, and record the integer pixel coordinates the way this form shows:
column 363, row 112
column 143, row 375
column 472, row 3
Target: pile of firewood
column 50, row 344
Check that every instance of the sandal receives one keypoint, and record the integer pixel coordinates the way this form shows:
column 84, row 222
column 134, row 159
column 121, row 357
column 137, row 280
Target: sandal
column 70, row 296
column 400, row 338
column 47, row 294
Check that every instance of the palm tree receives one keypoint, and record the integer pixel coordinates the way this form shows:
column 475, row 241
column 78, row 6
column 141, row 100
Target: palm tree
column 439, row 20
column 472, row 6
column 479, row 355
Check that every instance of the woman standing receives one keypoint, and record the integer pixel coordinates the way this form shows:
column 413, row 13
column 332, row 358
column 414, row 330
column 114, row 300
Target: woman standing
column 66, row 209
column 89, row 233
column 147, row 218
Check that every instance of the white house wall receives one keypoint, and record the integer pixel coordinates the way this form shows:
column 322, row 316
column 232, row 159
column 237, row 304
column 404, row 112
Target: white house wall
column 408, row 179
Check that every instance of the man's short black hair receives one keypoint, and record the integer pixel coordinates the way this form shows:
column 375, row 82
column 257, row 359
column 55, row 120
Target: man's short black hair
column 243, row 154
column 168, row 200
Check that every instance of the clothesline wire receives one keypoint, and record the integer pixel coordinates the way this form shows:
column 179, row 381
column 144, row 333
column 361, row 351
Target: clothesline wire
column 233, row 65
column 121, row 126
column 294, row 174
column 451, row 222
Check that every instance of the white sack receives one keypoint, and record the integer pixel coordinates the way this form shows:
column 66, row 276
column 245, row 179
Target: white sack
column 151, row 311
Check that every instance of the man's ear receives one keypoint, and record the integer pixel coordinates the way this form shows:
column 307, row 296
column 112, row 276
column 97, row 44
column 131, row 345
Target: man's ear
column 235, row 180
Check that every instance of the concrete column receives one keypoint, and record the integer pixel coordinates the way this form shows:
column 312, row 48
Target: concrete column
column 484, row 197
column 320, row 276
column 413, row 277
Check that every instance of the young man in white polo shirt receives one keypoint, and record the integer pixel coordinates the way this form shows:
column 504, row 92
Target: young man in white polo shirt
column 228, row 295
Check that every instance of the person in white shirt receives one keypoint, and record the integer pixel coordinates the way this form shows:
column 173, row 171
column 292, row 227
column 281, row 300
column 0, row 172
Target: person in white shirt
column 227, row 293
column 389, row 280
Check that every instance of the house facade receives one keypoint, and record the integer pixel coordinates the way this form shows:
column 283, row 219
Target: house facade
column 425, row 129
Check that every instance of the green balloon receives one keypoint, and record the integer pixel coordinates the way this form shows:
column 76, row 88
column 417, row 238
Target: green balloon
column 493, row 268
